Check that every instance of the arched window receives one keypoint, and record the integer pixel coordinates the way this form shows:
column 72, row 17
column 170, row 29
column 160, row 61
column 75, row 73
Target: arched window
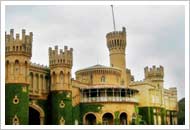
column 69, row 77
column 53, row 78
column 90, row 119
column 107, row 119
column 16, row 68
column 123, row 118
column 31, row 81
column 103, row 79
column 61, row 76
column 7, row 69
column 26, row 71
column 37, row 82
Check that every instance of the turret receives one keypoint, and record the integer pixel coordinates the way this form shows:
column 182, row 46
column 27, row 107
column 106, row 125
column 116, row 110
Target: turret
column 61, row 93
column 17, row 45
column 155, row 75
column 60, row 68
column 18, row 52
column 116, row 43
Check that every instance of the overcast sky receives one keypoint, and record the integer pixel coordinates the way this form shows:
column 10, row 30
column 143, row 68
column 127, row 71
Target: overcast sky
column 155, row 35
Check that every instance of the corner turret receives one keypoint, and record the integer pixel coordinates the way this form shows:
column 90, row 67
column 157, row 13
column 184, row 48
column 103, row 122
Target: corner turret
column 155, row 75
column 18, row 46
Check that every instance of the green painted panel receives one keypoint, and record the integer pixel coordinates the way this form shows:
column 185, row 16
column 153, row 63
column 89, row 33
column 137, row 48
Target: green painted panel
column 21, row 109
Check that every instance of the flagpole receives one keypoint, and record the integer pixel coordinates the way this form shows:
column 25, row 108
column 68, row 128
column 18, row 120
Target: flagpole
column 113, row 18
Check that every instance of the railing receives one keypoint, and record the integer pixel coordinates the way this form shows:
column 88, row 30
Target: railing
column 108, row 99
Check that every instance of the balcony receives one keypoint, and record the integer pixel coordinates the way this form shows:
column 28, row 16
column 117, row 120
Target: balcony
column 89, row 95
column 109, row 99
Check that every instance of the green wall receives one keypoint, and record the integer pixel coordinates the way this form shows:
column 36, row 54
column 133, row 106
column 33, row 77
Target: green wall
column 57, row 112
column 76, row 114
column 44, row 104
column 21, row 109
column 88, row 107
column 148, row 115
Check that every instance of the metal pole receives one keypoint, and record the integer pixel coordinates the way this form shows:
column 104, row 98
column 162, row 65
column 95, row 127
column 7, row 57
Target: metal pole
column 113, row 18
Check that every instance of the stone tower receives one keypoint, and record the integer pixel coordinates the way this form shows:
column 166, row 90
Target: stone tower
column 116, row 43
column 61, row 93
column 155, row 75
column 18, row 52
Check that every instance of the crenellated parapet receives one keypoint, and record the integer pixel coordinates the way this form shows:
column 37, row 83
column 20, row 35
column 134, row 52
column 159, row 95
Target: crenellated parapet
column 18, row 46
column 116, row 40
column 154, row 72
column 61, row 57
column 39, row 66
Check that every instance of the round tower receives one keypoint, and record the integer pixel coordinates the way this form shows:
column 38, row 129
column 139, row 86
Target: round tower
column 116, row 43
column 18, row 52
column 61, row 93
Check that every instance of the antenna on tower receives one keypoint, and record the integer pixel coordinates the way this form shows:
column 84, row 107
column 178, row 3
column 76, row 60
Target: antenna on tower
column 113, row 18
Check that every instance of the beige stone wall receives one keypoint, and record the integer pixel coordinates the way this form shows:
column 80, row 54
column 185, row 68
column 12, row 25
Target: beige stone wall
column 144, row 94
column 60, row 68
column 110, row 79
column 75, row 96
column 17, row 69
column 60, row 78
column 100, row 76
column 39, row 81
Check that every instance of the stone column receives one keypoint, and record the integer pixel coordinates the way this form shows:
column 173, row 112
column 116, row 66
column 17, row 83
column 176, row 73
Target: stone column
column 39, row 84
column 34, row 82
column 41, row 120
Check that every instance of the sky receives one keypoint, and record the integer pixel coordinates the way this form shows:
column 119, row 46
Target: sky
column 155, row 35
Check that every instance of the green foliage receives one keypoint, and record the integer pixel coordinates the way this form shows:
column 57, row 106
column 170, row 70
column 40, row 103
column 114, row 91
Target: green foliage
column 116, row 120
column 46, row 108
column 57, row 112
column 163, row 116
column 76, row 113
column 87, row 107
column 181, row 113
column 147, row 115
column 21, row 109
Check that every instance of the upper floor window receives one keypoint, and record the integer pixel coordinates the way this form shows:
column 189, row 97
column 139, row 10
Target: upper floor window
column 103, row 79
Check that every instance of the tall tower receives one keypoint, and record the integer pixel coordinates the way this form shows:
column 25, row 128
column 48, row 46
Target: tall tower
column 18, row 53
column 116, row 43
column 61, row 94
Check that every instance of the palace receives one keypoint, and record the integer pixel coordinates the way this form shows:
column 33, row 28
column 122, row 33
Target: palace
column 102, row 95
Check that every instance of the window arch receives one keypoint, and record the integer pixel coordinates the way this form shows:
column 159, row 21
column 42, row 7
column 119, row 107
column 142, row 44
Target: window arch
column 37, row 82
column 107, row 119
column 103, row 79
column 7, row 69
column 53, row 78
column 69, row 79
column 16, row 67
column 26, row 71
column 61, row 76
column 31, row 81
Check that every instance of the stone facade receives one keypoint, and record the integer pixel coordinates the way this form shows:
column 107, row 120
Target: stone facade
column 37, row 94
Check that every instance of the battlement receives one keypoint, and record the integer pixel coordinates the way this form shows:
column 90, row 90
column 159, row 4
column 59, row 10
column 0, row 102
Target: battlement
column 154, row 72
column 39, row 66
column 17, row 45
column 117, row 33
column 61, row 58
column 116, row 40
